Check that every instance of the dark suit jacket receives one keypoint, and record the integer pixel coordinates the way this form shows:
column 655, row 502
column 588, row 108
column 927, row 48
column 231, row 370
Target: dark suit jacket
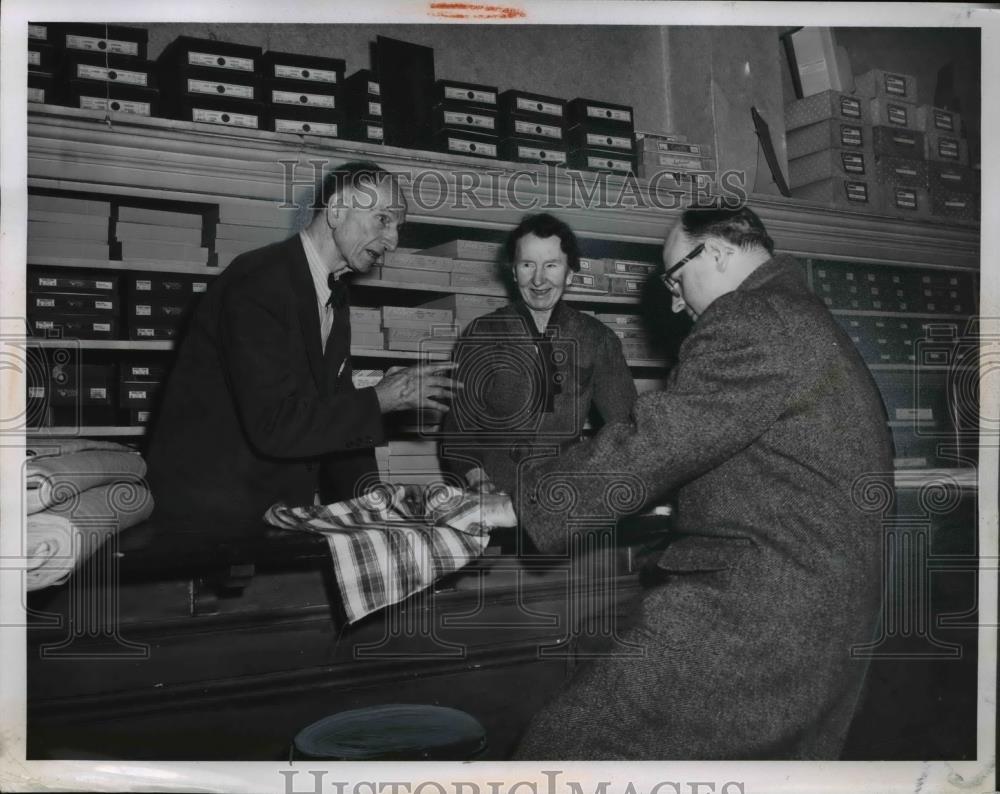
column 775, row 436
column 502, row 416
column 253, row 412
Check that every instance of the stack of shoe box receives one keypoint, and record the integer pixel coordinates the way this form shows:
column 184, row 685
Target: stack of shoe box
column 417, row 328
column 532, row 128
column 214, row 82
column 158, row 304
column 366, row 328
column 140, row 379
column 362, row 103
column 244, row 226
column 601, row 136
column 303, row 93
column 473, row 263
column 685, row 164
column 954, row 186
column 465, row 119
column 466, row 308
column 73, row 304
column 830, row 154
column 631, row 330
column 44, row 55
column 155, row 235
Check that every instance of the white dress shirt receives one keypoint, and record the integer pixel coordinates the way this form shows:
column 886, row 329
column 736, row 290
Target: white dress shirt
column 319, row 272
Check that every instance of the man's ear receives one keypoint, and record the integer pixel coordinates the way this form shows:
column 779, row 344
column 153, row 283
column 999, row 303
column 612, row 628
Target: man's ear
column 720, row 251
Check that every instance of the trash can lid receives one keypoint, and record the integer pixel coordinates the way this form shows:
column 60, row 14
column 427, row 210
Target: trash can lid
column 397, row 731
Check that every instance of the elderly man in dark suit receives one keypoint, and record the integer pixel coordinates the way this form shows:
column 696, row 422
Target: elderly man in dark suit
column 260, row 406
column 769, row 429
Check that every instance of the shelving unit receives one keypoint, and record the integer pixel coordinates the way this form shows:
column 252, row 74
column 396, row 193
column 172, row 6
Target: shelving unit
column 79, row 151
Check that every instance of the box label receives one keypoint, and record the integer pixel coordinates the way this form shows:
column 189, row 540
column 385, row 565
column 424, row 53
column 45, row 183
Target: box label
column 613, row 114
column 472, row 147
column 905, row 199
column 853, row 162
column 948, row 148
column 38, row 32
column 374, row 108
column 142, row 284
column 44, row 303
column 222, row 89
column 904, row 139
column 374, row 131
column 139, row 372
column 117, row 105
column 305, row 127
column 142, row 417
column 469, row 95
column 530, row 128
column 311, row 100
column 104, row 327
column 135, row 394
column 220, row 61
column 103, row 305
column 534, row 106
column 34, row 58
column 595, row 139
column 956, row 204
column 850, row 107
column 201, row 286
column 856, row 192
column 36, row 392
column 102, row 45
column 850, row 136
column 896, row 115
column 375, row 89
column 469, row 120
column 301, row 73
column 36, row 95
column 943, row 120
column 582, row 279
column 218, row 117
column 601, row 162
column 905, row 170
column 895, row 84
column 541, row 154
column 90, row 72
column 97, row 393
column 143, row 311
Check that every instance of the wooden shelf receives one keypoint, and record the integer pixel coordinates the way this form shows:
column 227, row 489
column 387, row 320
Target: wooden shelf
column 102, row 344
column 144, row 265
column 92, row 430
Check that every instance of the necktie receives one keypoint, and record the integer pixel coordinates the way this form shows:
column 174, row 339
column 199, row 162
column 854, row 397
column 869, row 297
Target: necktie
column 338, row 292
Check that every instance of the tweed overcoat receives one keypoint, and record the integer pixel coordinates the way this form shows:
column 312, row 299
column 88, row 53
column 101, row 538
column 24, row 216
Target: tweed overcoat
column 773, row 433
column 253, row 412
column 523, row 396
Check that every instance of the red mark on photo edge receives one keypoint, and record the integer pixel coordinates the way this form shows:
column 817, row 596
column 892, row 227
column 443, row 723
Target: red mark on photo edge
column 475, row 11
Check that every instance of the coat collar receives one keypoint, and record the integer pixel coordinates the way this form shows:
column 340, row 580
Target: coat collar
column 305, row 304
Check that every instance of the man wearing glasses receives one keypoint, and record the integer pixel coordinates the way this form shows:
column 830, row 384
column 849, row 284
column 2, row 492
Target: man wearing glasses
column 772, row 433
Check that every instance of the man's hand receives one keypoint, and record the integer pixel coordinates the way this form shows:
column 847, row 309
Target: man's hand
column 497, row 510
column 478, row 480
column 422, row 386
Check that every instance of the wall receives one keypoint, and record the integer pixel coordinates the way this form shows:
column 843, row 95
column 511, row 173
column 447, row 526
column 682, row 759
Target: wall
column 616, row 64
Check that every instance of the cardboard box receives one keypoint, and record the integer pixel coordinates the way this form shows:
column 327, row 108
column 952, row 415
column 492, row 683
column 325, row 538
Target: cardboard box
column 522, row 150
column 626, row 285
column 157, row 250
column 469, row 94
column 100, row 38
column 956, row 178
column 947, row 149
column 583, row 136
column 544, row 132
column 886, row 85
column 150, row 330
column 155, row 217
column 441, row 264
column 822, row 64
column 180, row 285
column 65, row 326
column 596, row 160
column 108, row 69
column 595, row 267
column 158, row 309
column 125, row 230
column 48, row 203
column 365, row 315
column 466, row 249
column 114, row 98
column 208, row 109
column 455, row 119
column 588, row 282
column 39, row 231
column 364, row 131
column 824, row 106
column 894, row 113
column 221, row 56
column 934, row 119
column 43, row 89
column 367, row 340
column 409, row 276
column 478, row 280
column 856, row 194
column 955, row 205
column 143, row 369
column 832, row 134
column 307, row 70
column 467, row 143
column 137, row 394
column 68, row 249
column 95, row 283
column 906, row 202
column 410, row 316
column 73, row 303
column 305, row 120
column 533, row 106
column 896, row 142
column 902, row 171
column 632, row 267
column 599, row 115
column 830, row 163
column 82, row 384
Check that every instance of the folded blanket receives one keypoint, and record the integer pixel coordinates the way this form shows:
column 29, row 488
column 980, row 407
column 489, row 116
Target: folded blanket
column 51, row 480
column 393, row 542
column 59, row 538
column 40, row 447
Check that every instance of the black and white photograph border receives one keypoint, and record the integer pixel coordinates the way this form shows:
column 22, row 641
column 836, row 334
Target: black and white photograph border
column 18, row 773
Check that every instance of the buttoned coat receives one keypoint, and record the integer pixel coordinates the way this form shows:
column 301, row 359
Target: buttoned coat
column 773, row 433
column 253, row 412
column 523, row 397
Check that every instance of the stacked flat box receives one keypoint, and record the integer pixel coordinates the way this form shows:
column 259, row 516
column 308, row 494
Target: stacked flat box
column 160, row 235
column 894, row 113
column 856, row 194
column 366, row 328
column 829, row 164
column 213, row 82
column 830, row 134
column 878, row 83
column 956, row 206
column 303, row 93
column 947, row 148
column 532, row 128
column 902, row 172
column 418, row 261
column 601, row 136
column 435, row 340
column 896, row 142
column 408, row 275
column 826, row 105
column 948, row 177
column 685, row 163
column 416, row 317
column 98, row 37
column 115, row 83
column 362, row 102
column 625, row 285
column 906, row 202
column 245, row 226
column 418, row 328
column 466, row 308
column 156, row 306
column 68, row 228
column 81, row 305
column 466, row 119
column 932, row 119
column 466, row 249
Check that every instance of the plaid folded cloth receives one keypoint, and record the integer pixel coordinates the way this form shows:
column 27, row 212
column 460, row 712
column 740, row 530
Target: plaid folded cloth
column 394, row 541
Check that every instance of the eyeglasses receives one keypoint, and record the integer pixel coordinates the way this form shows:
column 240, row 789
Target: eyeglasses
column 672, row 284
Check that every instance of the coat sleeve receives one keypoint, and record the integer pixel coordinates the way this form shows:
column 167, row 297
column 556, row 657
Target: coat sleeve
column 279, row 405
column 729, row 386
column 614, row 391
